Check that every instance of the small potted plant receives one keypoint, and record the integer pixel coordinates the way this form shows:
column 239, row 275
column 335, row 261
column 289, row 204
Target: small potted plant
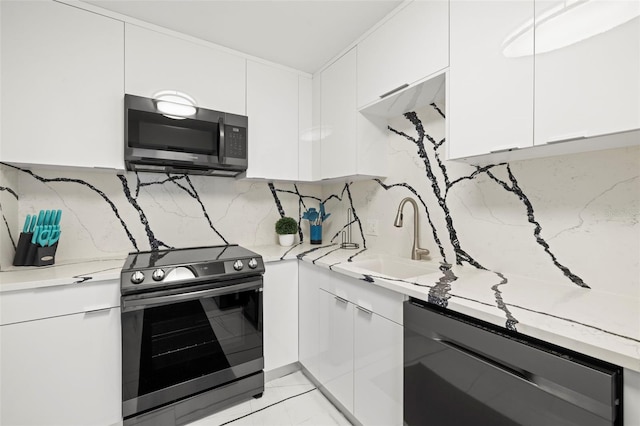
column 286, row 228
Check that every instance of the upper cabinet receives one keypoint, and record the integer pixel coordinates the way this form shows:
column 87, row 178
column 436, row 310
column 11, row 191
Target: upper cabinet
column 338, row 115
column 579, row 86
column 277, row 100
column 490, row 95
column 156, row 62
column 62, row 86
column 411, row 45
column 351, row 143
column 587, row 69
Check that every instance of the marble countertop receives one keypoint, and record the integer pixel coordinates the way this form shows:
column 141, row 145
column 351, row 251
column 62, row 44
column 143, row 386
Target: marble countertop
column 599, row 324
column 63, row 273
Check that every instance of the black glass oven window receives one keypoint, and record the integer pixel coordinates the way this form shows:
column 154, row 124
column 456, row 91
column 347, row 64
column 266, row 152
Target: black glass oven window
column 156, row 131
column 188, row 340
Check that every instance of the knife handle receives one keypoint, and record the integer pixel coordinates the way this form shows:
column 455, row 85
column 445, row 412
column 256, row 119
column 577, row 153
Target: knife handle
column 34, row 237
column 27, row 223
column 54, row 236
column 47, row 217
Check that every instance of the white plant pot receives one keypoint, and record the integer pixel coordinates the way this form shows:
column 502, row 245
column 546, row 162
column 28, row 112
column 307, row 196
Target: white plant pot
column 286, row 240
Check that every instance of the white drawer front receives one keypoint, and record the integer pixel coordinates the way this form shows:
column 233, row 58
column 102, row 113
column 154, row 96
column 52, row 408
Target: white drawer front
column 45, row 302
column 383, row 302
column 369, row 296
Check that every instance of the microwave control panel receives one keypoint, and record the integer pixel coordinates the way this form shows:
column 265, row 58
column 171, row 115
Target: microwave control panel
column 235, row 142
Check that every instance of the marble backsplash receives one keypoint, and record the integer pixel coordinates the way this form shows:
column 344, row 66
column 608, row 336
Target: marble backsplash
column 573, row 220
column 108, row 214
column 570, row 220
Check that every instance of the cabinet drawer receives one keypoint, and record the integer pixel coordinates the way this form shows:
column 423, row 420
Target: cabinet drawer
column 383, row 302
column 45, row 302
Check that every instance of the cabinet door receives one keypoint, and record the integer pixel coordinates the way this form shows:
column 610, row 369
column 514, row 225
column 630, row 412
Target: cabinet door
column 280, row 299
column 338, row 116
column 378, row 369
column 631, row 394
column 272, row 108
column 410, row 46
column 335, row 368
column 490, row 94
column 309, row 278
column 64, row 370
column 155, row 62
column 308, row 136
column 62, row 86
column 591, row 86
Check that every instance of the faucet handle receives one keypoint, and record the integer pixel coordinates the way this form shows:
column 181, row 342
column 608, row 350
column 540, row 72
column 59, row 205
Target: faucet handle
column 420, row 253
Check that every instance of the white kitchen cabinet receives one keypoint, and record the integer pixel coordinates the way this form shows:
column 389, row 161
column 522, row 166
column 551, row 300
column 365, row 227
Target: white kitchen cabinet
column 336, row 334
column 308, row 135
column 590, row 87
column 411, row 45
column 309, row 279
column 378, row 369
column 631, row 394
column 62, row 369
column 338, row 114
column 272, row 108
column 351, row 345
column 156, row 62
column 350, row 143
column 490, row 95
column 62, row 86
column 280, row 315
column 507, row 103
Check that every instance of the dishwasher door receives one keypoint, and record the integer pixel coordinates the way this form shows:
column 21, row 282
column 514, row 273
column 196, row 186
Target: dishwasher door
column 461, row 371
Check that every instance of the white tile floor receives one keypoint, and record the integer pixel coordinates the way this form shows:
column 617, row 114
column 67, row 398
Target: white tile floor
column 288, row 401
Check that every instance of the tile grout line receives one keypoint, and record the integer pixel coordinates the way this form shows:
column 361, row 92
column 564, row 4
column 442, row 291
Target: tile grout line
column 268, row 406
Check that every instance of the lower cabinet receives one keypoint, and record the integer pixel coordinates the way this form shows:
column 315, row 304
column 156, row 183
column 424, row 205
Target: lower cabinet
column 63, row 370
column 378, row 369
column 309, row 278
column 349, row 346
column 280, row 316
column 336, row 340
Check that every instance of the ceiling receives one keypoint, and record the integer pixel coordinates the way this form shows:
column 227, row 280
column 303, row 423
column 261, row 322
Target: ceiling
column 302, row 34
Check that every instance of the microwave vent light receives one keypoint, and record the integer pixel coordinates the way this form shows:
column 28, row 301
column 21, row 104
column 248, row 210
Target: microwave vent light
column 174, row 104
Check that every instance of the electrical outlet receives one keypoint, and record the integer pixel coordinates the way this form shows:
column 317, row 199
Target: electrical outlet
column 371, row 227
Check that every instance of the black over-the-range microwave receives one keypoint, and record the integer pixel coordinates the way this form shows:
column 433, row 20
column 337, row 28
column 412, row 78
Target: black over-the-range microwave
column 207, row 142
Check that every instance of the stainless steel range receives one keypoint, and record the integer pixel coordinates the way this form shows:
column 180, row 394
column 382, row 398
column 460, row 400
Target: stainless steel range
column 191, row 333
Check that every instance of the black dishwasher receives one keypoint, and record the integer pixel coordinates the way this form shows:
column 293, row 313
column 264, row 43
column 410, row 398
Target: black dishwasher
column 462, row 371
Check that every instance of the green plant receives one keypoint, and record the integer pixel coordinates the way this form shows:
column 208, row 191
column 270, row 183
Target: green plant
column 286, row 225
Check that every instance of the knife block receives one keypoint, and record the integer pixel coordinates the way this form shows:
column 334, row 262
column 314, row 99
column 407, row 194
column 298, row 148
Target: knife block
column 28, row 254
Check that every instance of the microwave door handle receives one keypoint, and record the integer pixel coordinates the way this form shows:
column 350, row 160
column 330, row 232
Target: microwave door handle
column 221, row 158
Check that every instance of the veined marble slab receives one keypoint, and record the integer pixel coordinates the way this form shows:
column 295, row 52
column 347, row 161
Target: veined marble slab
column 596, row 323
column 29, row 277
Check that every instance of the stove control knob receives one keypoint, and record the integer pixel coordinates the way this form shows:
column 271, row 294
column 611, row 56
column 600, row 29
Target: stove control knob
column 253, row 263
column 137, row 277
column 158, row 275
column 238, row 265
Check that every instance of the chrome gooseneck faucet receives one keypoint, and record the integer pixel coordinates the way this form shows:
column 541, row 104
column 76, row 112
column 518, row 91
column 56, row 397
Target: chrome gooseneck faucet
column 416, row 252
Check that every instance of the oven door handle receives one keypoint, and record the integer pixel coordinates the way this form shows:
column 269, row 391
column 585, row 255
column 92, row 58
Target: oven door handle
column 130, row 304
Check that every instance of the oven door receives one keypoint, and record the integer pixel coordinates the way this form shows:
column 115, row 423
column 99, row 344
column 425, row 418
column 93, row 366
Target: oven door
column 178, row 343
